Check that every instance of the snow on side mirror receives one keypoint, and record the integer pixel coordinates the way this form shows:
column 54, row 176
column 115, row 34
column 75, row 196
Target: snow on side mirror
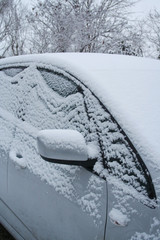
column 63, row 146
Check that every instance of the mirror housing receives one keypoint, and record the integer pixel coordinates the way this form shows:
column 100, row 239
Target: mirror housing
column 63, row 146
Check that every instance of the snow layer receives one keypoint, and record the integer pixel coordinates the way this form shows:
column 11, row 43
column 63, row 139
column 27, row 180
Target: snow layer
column 128, row 86
column 70, row 105
column 62, row 144
column 30, row 104
column 118, row 218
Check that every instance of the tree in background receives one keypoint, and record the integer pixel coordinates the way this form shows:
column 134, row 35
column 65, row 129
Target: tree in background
column 13, row 28
column 152, row 31
column 77, row 25
column 130, row 41
column 51, row 27
column 5, row 22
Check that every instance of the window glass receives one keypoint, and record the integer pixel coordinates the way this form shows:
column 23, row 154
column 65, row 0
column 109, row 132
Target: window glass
column 59, row 83
column 12, row 71
column 56, row 103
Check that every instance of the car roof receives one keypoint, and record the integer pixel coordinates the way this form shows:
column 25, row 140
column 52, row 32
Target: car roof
column 128, row 86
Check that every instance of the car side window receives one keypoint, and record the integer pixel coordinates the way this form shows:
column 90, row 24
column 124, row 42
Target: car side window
column 56, row 102
column 59, row 83
column 12, row 71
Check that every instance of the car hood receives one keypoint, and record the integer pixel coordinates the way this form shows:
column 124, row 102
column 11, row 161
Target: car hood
column 128, row 86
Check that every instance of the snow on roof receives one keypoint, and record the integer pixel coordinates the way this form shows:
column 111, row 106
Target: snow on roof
column 128, row 86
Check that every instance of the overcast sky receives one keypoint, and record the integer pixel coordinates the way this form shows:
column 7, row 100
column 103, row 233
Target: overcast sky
column 144, row 6
column 141, row 8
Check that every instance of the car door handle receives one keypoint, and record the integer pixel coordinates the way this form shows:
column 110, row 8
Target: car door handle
column 18, row 159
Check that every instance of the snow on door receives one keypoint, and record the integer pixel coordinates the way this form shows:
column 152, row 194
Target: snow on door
column 53, row 201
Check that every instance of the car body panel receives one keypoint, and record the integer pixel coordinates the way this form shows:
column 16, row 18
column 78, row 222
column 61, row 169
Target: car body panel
column 129, row 219
column 36, row 208
column 10, row 229
column 46, row 196
column 13, row 223
column 7, row 130
column 44, row 208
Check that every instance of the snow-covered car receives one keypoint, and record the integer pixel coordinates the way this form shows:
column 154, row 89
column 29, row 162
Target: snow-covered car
column 80, row 147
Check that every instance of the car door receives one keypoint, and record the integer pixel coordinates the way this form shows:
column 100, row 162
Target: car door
column 7, row 124
column 7, row 130
column 54, row 201
column 9, row 113
column 9, row 106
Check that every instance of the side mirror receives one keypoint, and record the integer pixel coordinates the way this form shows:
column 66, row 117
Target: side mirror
column 64, row 146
